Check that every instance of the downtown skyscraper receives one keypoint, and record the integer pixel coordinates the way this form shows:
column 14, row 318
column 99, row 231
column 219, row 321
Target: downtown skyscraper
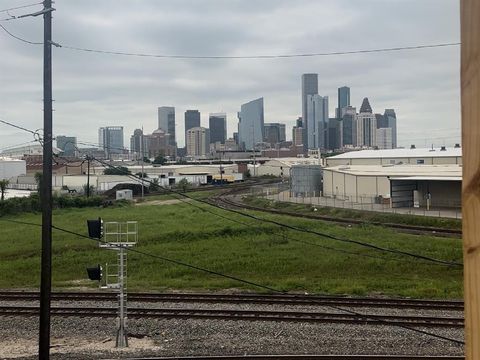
column 217, row 123
column 251, row 124
column 309, row 87
column 343, row 100
column 192, row 119
column 166, row 122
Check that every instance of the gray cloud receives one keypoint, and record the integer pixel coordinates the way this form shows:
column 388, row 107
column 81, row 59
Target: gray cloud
column 93, row 90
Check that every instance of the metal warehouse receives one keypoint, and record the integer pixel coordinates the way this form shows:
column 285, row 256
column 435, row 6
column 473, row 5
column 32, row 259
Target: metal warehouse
column 412, row 156
column 398, row 185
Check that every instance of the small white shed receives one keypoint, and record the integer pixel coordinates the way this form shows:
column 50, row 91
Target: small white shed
column 124, row 194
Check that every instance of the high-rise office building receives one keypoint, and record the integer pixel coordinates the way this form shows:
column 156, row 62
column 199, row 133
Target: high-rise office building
column 384, row 138
column 217, row 123
column 110, row 139
column 343, row 100
column 317, row 115
column 297, row 135
column 198, row 141
column 391, row 122
column 166, row 122
column 67, row 144
column 192, row 119
column 158, row 143
column 274, row 133
column 251, row 124
column 309, row 87
column 136, row 142
column 366, row 130
column 349, row 126
column 365, row 108
column 335, row 134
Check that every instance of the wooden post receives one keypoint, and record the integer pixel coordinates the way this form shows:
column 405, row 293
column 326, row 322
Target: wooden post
column 470, row 88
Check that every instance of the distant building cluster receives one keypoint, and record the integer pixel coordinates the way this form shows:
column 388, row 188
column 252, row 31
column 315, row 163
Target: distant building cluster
column 315, row 131
column 348, row 129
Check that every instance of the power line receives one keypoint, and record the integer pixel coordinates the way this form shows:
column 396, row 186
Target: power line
column 248, row 282
column 21, row 7
column 240, row 57
column 277, row 56
column 291, row 227
column 357, row 242
column 18, row 126
column 19, row 38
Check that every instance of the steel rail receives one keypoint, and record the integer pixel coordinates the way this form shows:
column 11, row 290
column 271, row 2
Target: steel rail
column 249, row 315
column 293, row 299
column 307, row 357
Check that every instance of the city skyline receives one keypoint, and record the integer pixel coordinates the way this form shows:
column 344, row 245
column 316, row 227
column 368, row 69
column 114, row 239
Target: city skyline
column 127, row 91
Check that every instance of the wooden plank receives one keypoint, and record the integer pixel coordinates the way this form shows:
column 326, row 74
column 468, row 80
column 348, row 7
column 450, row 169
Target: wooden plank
column 470, row 88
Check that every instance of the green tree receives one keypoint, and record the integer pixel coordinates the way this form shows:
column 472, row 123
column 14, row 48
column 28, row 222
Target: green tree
column 154, row 186
column 117, row 170
column 39, row 179
column 183, row 184
column 3, row 187
column 85, row 188
column 146, row 160
column 160, row 160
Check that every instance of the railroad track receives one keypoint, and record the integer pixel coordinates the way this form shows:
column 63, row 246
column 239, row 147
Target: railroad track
column 447, row 305
column 223, row 200
column 308, row 357
column 245, row 315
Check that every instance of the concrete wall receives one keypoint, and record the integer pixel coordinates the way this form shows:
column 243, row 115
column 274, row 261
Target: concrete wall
column 354, row 188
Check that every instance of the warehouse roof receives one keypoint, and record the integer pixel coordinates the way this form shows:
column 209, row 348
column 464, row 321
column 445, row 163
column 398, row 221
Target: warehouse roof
column 293, row 161
column 398, row 171
column 400, row 153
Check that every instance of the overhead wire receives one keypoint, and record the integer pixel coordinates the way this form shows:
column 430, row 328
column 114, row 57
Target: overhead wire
column 238, row 57
column 325, row 235
column 21, row 7
column 246, row 57
column 19, row 38
column 291, row 227
column 265, row 287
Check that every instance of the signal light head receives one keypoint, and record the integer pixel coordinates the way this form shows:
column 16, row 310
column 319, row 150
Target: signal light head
column 95, row 273
column 95, row 228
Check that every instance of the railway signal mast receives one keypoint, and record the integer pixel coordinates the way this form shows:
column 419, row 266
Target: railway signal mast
column 118, row 236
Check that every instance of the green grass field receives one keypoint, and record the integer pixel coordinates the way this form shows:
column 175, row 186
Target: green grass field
column 367, row 216
column 254, row 251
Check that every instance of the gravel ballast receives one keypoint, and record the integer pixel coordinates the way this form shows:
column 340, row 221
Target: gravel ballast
column 94, row 338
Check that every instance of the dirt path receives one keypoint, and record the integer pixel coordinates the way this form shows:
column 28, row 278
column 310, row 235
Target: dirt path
column 163, row 202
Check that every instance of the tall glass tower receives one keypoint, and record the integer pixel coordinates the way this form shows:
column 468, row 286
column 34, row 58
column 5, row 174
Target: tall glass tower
column 309, row 87
column 343, row 100
column 251, row 124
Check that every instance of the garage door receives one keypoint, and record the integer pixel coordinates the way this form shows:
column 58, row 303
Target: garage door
column 402, row 193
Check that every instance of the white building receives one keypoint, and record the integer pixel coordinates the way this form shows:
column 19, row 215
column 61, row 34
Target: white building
column 402, row 185
column 198, row 141
column 414, row 156
column 10, row 168
column 384, row 138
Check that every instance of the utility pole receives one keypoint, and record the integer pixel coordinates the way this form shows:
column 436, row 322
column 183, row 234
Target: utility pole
column 142, row 151
column 88, row 176
column 46, row 190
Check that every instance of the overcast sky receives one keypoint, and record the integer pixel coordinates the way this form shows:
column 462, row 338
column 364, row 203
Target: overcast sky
column 93, row 90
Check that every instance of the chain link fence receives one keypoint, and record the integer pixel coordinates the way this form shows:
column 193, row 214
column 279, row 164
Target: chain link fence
column 281, row 192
